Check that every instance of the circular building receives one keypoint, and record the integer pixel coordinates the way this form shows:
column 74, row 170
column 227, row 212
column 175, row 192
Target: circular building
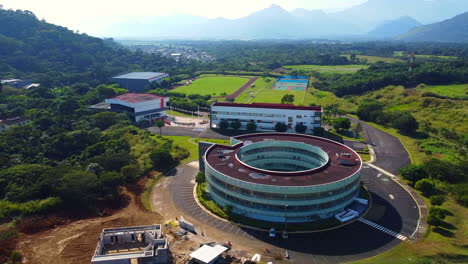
column 283, row 177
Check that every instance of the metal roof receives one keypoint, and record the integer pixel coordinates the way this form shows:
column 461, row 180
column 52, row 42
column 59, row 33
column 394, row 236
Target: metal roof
column 136, row 97
column 207, row 254
column 140, row 75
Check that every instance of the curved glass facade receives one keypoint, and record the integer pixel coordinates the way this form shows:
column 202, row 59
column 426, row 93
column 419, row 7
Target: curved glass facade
column 276, row 202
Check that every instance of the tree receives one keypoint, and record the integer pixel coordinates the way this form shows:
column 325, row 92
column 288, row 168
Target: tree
column 426, row 187
column 281, row 127
column 437, row 199
column 160, row 124
column 341, row 123
column 104, row 120
column 405, row 122
column 236, row 124
column 79, row 187
column 130, row 172
column 413, row 173
column 370, row 110
column 443, row 171
column 300, row 128
column 436, row 216
column 287, row 99
column 162, row 159
column 223, row 125
column 251, row 126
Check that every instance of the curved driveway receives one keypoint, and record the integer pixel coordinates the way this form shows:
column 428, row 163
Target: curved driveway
column 392, row 208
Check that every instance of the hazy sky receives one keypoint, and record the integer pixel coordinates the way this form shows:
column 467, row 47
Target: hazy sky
column 91, row 15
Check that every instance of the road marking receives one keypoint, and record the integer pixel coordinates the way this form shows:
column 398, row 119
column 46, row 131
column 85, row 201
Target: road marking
column 378, row 175
column 381, row 170
column 383, row 229
column 391, row 196
column 365, row 167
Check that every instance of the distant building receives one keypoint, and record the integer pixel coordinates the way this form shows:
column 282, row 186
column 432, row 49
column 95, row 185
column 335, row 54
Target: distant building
column 17, row 83
column 266, row 115
column 138, row 244
column 14, row 121
column 138, row 81
column 140, row 106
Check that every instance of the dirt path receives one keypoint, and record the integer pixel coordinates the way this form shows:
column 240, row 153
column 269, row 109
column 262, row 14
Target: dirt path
column 243, row 88
column 75, row 242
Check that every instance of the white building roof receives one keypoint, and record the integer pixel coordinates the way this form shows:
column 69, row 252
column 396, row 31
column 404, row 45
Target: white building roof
column 206, row 253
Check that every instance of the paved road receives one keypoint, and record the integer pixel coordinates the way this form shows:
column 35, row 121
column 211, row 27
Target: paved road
column 392, row 208
column 391, row 155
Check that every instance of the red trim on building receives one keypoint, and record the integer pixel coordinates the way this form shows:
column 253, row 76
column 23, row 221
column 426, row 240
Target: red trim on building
column 270, row 105
column 137, row 97
column 155, row 77
column 162, row 102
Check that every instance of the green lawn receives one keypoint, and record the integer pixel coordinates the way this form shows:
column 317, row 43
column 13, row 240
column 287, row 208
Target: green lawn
column 191, row 144
column 328, row 69
column 448, row 91
column 214, row 86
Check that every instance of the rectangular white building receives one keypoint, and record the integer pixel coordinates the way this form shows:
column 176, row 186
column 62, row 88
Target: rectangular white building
column 140, row 106
column 266, row 115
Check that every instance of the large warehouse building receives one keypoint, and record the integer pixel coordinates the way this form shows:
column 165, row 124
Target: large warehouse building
column 138, row 81
column 140, row 106
column 282, row 177
column 266, row 115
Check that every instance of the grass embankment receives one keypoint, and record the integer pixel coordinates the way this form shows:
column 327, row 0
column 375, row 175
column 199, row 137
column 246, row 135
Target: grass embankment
column 437, row 247
column 440, row 119
column 341, row 69
column 214, row 86
column 448, row 243
column 448, row 91
column 176, row 113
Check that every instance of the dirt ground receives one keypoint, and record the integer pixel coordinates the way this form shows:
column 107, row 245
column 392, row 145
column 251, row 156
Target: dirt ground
column 75, row 242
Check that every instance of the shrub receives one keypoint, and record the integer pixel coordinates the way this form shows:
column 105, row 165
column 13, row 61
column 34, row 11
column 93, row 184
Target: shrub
column 223, row 125
column 281, row 127
column 251, row 126
column 300, row 128
column 413, row 173
column 236, row 124
column 200, row 178
column 319, row 131
column 426, row 187
column 437, row 199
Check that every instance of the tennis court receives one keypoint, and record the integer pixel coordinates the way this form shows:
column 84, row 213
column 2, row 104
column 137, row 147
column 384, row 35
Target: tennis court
column 291, row 83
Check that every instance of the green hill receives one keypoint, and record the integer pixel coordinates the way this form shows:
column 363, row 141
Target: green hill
column 450, row 30
column 56, row 56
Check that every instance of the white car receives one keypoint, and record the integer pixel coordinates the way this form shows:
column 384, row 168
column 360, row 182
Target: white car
column 272, row 232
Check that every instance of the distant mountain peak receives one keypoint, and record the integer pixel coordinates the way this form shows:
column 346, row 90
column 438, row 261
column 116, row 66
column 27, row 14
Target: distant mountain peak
column 393, row 28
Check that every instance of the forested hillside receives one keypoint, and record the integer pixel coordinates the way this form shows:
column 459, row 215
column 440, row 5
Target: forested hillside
column 56, row 56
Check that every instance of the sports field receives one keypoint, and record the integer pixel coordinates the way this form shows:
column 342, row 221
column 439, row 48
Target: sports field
column 262, row 93
column 291, row 83
column 214, row 86
column 448, row 91
column 341, row 69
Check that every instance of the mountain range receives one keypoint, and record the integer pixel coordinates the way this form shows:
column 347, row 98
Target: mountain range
column 450, row 30
column 374, row 19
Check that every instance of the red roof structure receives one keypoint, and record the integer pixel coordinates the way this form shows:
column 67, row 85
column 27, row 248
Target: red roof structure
column 137, row 97
column 270, row 105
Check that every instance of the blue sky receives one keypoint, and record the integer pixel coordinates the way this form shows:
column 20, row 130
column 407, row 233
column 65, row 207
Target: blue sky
column 91, row 15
